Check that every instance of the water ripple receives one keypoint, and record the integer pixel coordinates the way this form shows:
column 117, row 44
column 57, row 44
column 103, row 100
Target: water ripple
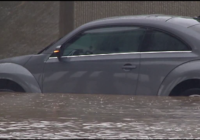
column 61, row 116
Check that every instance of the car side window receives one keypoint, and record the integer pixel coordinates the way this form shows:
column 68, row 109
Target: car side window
column 105, row 41
column 159, row 41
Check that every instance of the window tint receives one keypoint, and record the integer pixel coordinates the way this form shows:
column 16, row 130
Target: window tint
column 159, row 41
column 105, row 41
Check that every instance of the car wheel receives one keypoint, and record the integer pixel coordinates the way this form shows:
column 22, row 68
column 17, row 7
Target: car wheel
column 6, row 90
column 194, row 92
column 9, row 86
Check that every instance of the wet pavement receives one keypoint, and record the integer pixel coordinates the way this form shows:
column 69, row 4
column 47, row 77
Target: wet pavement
column 98, row 116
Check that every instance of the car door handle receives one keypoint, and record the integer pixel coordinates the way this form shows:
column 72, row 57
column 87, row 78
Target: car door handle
column 128, row 67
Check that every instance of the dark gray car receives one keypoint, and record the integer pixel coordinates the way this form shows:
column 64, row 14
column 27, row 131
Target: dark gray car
column 138, row 55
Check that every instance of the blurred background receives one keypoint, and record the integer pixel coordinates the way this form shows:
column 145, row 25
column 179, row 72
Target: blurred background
column 26, row 26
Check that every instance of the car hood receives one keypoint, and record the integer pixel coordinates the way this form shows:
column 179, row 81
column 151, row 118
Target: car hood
column 21, row 60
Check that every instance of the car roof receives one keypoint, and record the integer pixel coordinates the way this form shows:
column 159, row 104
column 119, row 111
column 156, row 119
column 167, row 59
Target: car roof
column 184, row 21
column 175, row 25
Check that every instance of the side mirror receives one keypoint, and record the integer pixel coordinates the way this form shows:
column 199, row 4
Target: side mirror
column 58, row 52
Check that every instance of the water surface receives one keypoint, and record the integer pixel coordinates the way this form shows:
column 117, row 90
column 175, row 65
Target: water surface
column 98, row 116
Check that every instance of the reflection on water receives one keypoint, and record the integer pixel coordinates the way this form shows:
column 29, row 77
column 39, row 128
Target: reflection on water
column 98, row 116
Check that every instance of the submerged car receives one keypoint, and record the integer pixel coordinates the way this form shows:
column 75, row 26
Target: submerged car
column 137, row 55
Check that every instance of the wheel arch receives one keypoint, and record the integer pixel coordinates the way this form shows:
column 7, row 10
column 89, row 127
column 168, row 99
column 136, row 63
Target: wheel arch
column 186, row 72
column 19, row 75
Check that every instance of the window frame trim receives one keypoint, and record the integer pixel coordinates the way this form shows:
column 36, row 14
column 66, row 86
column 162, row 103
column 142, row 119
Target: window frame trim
column 147, row 29
column 111, row 54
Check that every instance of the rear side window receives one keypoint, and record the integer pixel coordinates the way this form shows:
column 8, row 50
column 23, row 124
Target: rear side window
column 159, row 41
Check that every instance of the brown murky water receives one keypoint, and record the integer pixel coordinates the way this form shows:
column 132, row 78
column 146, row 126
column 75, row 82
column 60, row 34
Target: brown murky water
column 98, row 116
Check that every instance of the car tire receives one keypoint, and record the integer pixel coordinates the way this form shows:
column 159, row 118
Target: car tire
column 6, row 90
column 10, row 87
column 191, row 92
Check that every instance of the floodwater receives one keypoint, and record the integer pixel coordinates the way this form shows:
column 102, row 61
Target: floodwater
column 91, row 116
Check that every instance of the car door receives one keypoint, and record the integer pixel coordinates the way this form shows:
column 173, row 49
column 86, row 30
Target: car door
column 161, row 53
column 101, row 60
